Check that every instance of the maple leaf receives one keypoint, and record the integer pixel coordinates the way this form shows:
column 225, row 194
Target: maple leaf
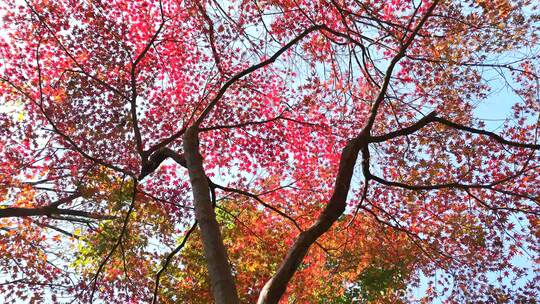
column 272, row 151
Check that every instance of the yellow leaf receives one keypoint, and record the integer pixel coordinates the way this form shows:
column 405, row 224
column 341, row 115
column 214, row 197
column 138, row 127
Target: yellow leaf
column 77, row 232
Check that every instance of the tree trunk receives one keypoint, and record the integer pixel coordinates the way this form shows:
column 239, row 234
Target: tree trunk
column 221, row 279
column 276, row 286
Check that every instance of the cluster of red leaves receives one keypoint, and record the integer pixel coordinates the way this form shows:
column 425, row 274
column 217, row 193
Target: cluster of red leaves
column 91, row 89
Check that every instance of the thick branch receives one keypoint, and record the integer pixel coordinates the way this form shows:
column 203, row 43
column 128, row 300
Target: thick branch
column 276, row 286
column 491, row 135
column 46, row 210
column 407, row 130
column 431, row 117
column 158, row 157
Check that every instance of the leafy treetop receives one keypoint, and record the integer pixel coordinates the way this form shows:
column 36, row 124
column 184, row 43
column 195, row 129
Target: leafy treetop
column 295, row 150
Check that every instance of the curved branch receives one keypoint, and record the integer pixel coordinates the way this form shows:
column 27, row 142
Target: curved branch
column 157, row 158
column 491, row 135
column 392, row 65
column 432, row 117
column 407, row 130
column 276, row 286
column 251, row 69
column 455, row 185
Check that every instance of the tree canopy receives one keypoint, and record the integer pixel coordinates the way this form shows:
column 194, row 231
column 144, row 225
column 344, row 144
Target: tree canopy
column 265, row 151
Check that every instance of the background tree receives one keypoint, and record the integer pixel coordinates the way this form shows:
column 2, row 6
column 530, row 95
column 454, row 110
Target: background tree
column 342, row 143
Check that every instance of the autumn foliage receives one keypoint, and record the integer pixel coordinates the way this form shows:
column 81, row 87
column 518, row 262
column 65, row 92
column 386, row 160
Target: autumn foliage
column 265, row 151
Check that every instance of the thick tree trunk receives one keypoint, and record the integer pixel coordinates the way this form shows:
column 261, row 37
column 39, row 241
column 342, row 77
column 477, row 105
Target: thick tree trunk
column 276, row 286
column 221, row 279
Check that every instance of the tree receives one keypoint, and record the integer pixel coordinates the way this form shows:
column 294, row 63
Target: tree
column 250, row 236
column 127, row 124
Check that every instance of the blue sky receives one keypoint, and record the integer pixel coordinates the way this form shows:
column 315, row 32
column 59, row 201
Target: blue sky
column 494, row 111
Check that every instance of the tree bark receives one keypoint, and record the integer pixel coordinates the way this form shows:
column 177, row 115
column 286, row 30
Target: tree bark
column 221, row 279
column 276, row 286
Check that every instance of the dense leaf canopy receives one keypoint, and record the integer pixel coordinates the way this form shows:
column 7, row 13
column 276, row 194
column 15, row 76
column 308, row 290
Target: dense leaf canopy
column 301, row 151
